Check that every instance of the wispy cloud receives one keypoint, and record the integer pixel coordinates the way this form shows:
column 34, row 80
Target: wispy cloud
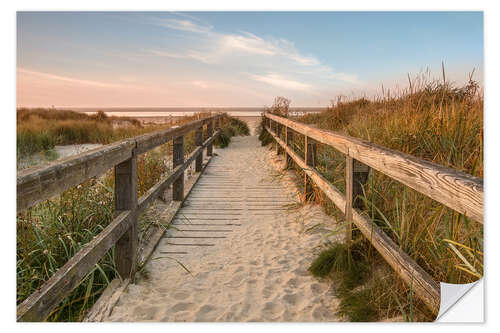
column 181, row 24
column 282, row 82
column 70, row 79
column 200, row 56
column 277, row 55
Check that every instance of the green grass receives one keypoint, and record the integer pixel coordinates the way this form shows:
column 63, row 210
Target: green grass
column 52, row 232
column 231, row 126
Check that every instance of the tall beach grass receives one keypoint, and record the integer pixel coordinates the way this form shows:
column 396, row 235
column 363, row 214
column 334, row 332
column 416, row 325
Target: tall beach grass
column 433, row 120
column 52, row 232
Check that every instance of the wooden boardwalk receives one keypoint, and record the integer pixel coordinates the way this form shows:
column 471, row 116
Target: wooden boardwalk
column 243, row 239
column 236, row 248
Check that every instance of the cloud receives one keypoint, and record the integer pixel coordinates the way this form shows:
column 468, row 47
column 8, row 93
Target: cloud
column 181, row 24
column 200, row 84
column 69, row 79
column 200, row 56
column 281, row 82
column 351, row 78
column 249, row 44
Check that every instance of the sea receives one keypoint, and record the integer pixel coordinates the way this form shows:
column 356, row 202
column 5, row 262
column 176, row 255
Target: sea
column 153, row 112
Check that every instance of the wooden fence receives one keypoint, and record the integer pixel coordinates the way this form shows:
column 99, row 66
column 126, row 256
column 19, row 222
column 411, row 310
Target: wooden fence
column 456, row 190
column 38, row 184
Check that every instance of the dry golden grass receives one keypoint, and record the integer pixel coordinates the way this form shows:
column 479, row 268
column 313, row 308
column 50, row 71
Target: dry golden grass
column 434, row 121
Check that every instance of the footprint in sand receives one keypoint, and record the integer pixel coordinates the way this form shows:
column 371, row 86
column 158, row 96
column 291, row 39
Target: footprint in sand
column 293, row 283
column 181, row 295
column 268, row 291
column 205, row 313
column 292, row 299
column 318, row 288
column 272, row 309
column 182, row 306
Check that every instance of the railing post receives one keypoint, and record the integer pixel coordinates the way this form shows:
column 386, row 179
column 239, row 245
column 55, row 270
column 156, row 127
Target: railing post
column 278, row 132
column 310, row 159
column 217, row 123
column 210, row 132
column 356, row 175
column 126, row 199
column 199, row 142
column 289, row 142
column 178, row 159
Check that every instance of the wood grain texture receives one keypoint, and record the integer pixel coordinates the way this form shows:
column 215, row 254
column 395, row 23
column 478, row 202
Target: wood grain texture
column 199, row 142
column 122, row 230
column 167, row 217
column 210, row 131
column 126, row 199
column 178, row 160
column 40, row 303
column 157, row 189
column 422, row 283
column 104, row 305
column 349, row 180
column 454, row 189
column 151, row 140
column 37, row 184
column 310, row 158
column 289, row 142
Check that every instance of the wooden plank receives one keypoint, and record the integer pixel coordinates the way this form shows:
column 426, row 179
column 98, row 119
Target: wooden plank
column 178, row 159
column 289, row 143
column 310, row 160
column 126, row 199
column 454, row 189
column 349, row 197
column 210, row 132
column 167, row 217
column 106, row 302
column 149, row 141
column 37, row 184
column 40, row 303
column 199, row 142
column 356, row 175
column 168, row 180
column 422, row 283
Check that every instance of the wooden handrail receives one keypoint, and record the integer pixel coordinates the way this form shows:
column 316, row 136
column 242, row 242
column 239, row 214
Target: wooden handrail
column 454, row 189
column 457, row 190
column 37, row 184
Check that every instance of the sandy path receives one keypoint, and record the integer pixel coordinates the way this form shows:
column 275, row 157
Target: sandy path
column 247, row 251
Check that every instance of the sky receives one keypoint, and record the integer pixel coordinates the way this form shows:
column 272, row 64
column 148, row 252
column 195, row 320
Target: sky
column 222, row 59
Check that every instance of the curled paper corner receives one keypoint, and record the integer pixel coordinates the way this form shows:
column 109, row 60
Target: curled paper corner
column 457, row 306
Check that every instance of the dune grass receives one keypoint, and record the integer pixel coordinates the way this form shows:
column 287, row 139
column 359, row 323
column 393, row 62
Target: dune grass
column 231, row 127
column 50, row 233
column 434, row 121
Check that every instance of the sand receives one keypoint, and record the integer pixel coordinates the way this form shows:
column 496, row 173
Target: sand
column 247, row 243
column 38, row 159
column 253, row 123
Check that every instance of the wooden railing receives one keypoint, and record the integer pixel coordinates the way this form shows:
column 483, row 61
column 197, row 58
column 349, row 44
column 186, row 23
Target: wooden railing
column 456, row 190
column 38, row 184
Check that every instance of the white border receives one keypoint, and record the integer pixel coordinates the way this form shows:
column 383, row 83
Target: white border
column 492, row 139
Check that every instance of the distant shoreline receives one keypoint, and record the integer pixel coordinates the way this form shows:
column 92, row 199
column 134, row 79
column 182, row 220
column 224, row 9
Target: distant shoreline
column 155, row 112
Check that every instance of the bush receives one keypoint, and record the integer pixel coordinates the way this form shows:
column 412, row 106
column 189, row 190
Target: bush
column 231, row 127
